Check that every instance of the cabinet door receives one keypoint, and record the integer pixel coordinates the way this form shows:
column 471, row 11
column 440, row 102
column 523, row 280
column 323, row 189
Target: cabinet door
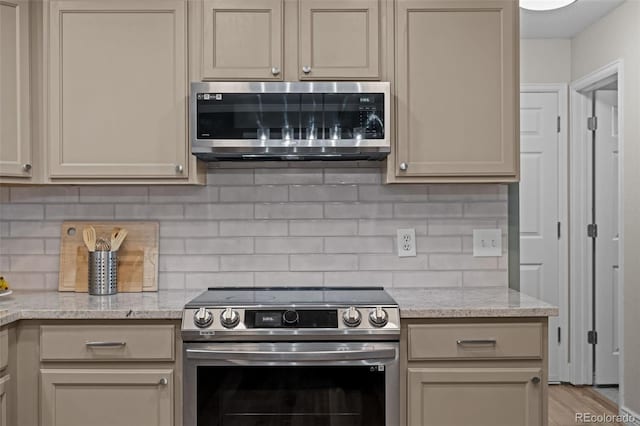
column 242, row 40
column 4, row 387
column 15, row 140
column 475, row 396
column 118, row 88
column 106, row 397
column 457, row 88
column 339, row 39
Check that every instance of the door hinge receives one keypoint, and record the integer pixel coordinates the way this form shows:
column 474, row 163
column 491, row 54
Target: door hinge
column 592, row 230
column 558, row 124
column 592, row 123
column 559, row 230
column 559, row 335
column 592, row 337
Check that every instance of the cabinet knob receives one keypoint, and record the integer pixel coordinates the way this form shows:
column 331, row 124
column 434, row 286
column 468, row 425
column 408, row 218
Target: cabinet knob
column 535, row 380
column 275, row 71
column 179, row 168
column 404, row 166
column 163, row 381
column 306, row 69
column 26, row 167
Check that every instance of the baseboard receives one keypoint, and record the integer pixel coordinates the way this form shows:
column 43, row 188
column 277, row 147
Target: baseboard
column 634, row 417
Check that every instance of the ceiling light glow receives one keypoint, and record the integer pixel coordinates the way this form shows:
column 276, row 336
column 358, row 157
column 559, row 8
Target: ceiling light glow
column 540, row 5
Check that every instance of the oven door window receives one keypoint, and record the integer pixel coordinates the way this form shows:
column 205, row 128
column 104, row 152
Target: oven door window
column 291, row 396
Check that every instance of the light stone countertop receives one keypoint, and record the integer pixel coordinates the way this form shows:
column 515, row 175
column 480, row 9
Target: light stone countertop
column 415, row 302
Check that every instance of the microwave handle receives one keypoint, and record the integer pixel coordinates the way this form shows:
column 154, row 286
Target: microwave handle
column 292, row 356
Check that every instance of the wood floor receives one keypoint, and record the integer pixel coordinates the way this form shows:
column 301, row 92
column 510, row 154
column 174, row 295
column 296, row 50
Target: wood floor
column 567, row 400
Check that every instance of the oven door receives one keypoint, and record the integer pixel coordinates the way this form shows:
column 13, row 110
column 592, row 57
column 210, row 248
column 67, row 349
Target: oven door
column 291, row 384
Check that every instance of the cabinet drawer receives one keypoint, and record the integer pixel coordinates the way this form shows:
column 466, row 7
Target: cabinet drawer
column 444, row 341
column 106, row 343
column 4, row 348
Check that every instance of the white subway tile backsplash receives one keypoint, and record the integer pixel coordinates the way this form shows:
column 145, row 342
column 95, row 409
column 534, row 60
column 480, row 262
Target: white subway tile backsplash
column 289, row 245
column 391, row 262
column 80, row 211
column 184, row 229
column 149, row 211
column 323, row 192
column 358, row 245
column 288, row 211
column 288, row 278
column 218, row 279
column 358, row 210
column 21, row 212
column 44, row 194
column 288, row 176
column 352, row 175
column 181, row 194
column 218, row 211
column 313, row 228
column 278, row 224
column 239, row 245
column 358, row 279
column 461, row 262
column 257, row 228
column 189, row 263
column 423, row 210
column 254, row 194
column 114, row 194
column 320, row 262
column 256, row 262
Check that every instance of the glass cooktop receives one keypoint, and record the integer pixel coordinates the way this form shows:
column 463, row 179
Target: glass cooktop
column 289, row 296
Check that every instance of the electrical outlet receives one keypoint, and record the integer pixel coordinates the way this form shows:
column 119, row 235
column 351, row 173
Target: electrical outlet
column 487, row 242
column 406, row 242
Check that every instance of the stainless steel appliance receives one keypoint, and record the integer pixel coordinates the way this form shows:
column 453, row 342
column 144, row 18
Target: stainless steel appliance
column 291, row 356
column 290, row 120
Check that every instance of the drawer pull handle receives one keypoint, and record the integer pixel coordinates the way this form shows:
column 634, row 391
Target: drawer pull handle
column 163, row 381
column 105, row 344
column 535, row 380
column 477, row 342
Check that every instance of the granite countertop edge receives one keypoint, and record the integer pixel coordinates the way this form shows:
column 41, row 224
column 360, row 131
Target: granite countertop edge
column 414, row 302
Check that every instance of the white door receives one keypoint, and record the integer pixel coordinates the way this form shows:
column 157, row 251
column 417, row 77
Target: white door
column 539, row 210
column 606, row 207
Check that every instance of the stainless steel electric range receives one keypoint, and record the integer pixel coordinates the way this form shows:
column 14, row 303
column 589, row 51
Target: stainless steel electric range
column 291, row 356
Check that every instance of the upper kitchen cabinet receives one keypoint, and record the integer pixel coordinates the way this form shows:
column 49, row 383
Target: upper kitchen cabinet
column 15, row 135
column 117, row 90
column 339, row 39
column 241, row 40
column 457, row 91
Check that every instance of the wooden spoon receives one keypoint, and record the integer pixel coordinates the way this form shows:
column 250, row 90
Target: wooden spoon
column 114, row 235
column 120, row 236
column 89, row 237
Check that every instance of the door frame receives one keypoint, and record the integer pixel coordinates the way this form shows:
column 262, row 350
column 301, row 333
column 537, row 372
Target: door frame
column 580, row 302
column 562, row 92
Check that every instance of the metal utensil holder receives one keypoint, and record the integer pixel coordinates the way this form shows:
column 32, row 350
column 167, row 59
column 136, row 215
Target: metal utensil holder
column 103, row 273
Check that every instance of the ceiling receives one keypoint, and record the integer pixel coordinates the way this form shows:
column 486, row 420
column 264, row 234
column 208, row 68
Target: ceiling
column 565, row 22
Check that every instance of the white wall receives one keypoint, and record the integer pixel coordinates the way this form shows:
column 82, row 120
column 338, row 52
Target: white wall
column 545, row 61
column 617, row 36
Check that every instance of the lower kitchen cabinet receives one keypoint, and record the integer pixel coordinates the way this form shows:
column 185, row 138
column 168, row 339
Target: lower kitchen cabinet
column 107, row 397
column 4, row 409
column 474, row 396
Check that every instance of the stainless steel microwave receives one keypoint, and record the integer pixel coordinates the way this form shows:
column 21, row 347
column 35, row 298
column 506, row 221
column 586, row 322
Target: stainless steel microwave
column 290, row 120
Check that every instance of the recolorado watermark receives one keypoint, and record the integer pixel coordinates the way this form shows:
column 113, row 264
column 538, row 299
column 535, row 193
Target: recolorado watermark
column 604, row 418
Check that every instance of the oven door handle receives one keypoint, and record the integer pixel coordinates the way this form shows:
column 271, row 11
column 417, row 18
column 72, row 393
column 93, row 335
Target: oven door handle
column 292, row 356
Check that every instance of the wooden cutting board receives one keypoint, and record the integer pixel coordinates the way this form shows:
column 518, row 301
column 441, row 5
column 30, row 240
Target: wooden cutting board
column 137, row 257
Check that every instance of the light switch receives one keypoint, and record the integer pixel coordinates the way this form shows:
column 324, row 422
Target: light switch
column 487, row 242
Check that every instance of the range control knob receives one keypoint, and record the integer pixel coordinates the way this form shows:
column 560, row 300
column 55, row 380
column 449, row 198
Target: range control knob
column 229, row 318
column 290, row 317
column 378, row 317
column 202, row 318
column 352, row 317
